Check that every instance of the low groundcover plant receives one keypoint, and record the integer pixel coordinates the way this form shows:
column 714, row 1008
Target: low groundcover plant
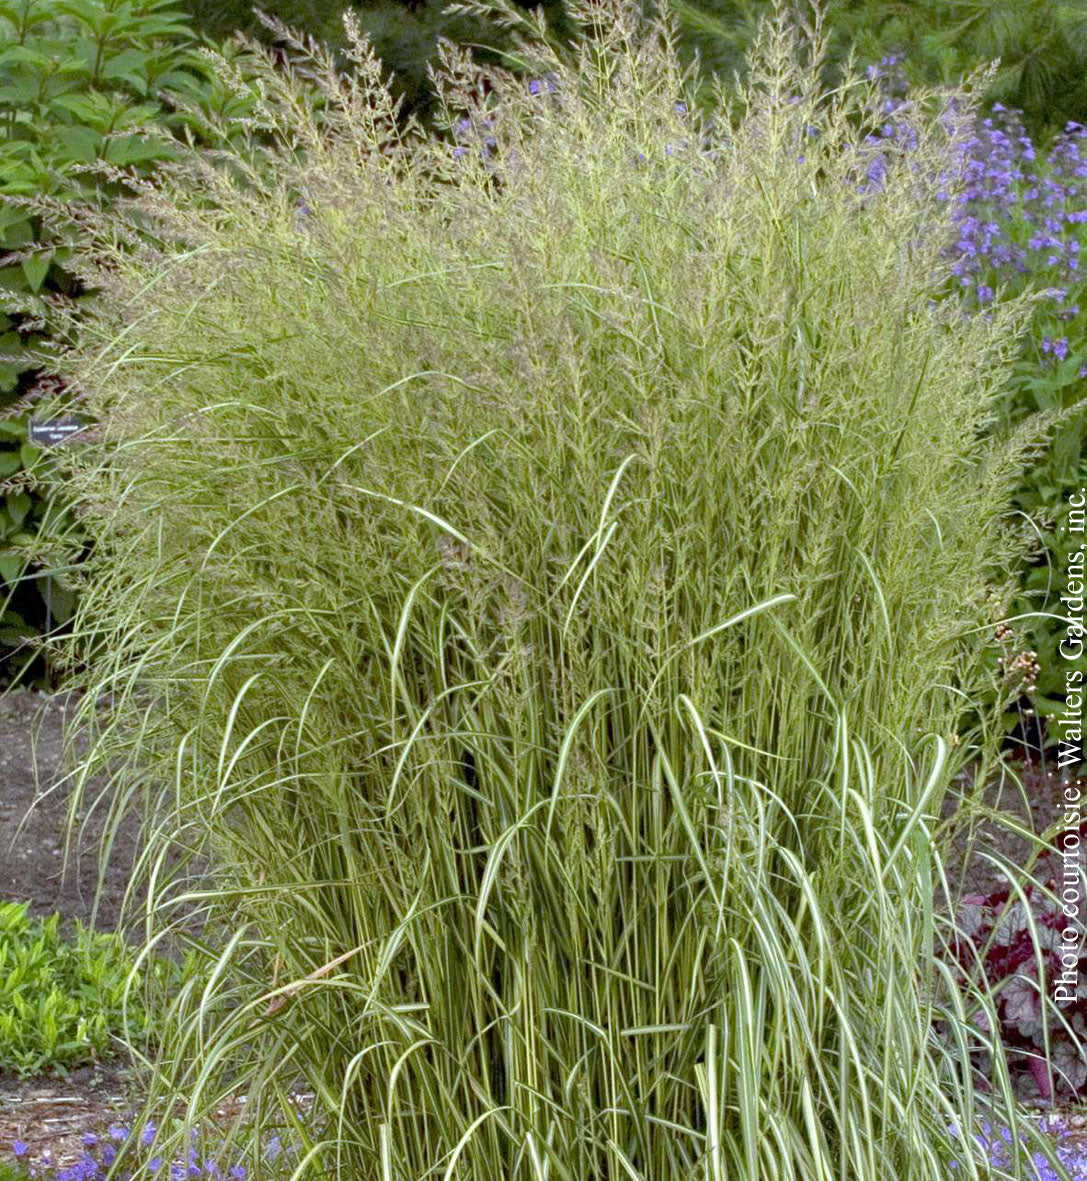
column 1011, row 937
column 543, row 567
column 68, row 1001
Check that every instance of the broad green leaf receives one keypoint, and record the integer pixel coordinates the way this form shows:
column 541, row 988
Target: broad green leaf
column 11, row 566
column 130, row 65
column 61, row 601
column 96, row 110
column 137, row 149
column 137, row 115
column 35, row 268
column 15, row 229
column 79, row 142
column 18, row 505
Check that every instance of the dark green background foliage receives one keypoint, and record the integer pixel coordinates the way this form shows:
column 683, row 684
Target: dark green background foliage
column 78, row 87
column 404, row 34
column 1042, row 45
column 90, row 91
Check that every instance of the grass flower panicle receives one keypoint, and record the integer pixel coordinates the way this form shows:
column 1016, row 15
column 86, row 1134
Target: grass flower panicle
column 530, row 586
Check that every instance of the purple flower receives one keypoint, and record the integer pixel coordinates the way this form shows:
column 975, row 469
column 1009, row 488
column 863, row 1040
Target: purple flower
column 85, row 1169
column 19, row 1147
column 1058, row 347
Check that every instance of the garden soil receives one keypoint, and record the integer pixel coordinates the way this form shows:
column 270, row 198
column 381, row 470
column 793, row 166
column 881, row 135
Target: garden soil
column 33, row 820
column 51, row 1113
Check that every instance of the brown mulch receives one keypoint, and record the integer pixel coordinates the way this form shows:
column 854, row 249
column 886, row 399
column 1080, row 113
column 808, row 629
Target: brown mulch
column 51, row 1114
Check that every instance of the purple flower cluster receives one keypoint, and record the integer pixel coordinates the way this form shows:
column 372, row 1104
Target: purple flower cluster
column 1018, row 214
column 995, row 1145
column 546, row 85
column 100, row 1154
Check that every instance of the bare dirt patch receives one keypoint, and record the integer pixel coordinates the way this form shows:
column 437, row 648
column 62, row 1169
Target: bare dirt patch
column 51, row 1113
column 1032, row 800
column 33, row 820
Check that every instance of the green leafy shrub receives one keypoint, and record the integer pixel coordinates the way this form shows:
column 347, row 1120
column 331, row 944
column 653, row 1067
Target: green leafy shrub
column 536, row 580
column 62, row 1000
column 93, row 94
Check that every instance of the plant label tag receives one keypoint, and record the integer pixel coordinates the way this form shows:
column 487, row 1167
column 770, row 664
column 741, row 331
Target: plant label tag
column 51, row 432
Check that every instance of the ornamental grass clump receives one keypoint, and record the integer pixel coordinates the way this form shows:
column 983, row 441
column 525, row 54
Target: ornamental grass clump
column 542, row 567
